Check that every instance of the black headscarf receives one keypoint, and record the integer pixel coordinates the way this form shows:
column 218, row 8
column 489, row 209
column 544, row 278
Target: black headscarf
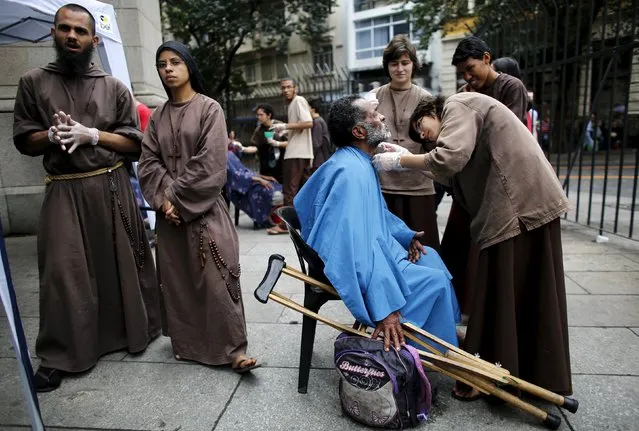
column 195, row 77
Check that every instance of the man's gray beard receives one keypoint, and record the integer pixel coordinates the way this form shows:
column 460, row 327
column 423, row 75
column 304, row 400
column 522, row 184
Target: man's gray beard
column 73, row 63
column 376, row 135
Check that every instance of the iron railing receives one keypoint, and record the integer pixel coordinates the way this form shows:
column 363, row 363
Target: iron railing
column 581, row 57
column 311, row 82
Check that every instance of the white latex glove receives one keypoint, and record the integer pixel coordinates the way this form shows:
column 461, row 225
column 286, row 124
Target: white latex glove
column 386, row 162
column 51, row 133
column 273, row 143
column 387, row 147
column 372, row 97
column 75, row 134
column 53, row 130
column 278, row 127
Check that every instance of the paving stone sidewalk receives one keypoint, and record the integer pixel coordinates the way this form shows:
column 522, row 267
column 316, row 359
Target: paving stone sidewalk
column 152, row 391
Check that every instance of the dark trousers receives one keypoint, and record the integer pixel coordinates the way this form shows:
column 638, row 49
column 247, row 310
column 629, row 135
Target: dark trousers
column 296, row 172
column 440, row 191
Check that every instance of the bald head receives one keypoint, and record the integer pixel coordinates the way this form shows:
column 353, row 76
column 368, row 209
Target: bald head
column 76, row 8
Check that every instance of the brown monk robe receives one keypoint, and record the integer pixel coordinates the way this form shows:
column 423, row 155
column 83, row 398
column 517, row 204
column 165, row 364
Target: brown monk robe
column 98, row 290
column 508, row 90
column 458, row 251
column 501, row 177
column 182, row 172
column 184, row 158
column 409, row 195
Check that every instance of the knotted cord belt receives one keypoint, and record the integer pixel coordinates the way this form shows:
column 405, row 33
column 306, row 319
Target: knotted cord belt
column 137, row 244
column 64, row 177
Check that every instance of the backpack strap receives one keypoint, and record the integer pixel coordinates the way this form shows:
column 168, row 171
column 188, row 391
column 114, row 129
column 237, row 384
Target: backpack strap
column 426, row 389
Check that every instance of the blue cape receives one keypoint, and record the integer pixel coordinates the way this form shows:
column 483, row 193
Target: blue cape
column 344, row 218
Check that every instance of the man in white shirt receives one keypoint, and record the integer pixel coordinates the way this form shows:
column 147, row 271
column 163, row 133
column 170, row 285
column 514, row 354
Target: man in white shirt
column 532, row 116
column 299, row 148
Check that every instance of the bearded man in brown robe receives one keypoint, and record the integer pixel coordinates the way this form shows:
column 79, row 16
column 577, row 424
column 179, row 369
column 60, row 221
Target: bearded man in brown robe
column 182, row 172
column 98, row 290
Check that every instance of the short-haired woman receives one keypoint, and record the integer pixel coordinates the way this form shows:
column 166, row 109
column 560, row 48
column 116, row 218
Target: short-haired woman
column 270, row 156
column 502, row 179
column 409, row 197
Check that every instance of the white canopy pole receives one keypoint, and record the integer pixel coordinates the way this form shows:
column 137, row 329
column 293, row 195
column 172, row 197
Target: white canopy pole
column 8, row 299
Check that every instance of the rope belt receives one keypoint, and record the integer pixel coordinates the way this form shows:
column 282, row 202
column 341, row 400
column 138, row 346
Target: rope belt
column 64, row 177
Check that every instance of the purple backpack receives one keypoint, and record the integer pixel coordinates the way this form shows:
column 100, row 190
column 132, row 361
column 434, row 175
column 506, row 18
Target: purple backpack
column 378, row 388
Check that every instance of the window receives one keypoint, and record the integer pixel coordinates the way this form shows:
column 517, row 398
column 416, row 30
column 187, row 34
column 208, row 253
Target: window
column 323, row 59
column 281, row 61
column 268, row 69
column 372, row 35
column 249, row 72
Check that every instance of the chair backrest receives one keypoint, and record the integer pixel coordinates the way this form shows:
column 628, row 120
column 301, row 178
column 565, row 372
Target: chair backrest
column 304, row 251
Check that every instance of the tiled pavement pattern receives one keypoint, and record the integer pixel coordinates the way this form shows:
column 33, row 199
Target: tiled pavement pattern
column 152, row 391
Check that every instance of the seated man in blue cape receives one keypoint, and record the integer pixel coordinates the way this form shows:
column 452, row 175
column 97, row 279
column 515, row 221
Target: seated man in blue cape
column 375, row 262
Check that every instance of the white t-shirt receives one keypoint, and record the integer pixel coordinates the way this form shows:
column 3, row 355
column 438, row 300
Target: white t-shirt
column 300, row 142
column 533, row 116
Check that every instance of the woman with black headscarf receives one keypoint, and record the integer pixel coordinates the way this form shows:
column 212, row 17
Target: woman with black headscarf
column 182, row 172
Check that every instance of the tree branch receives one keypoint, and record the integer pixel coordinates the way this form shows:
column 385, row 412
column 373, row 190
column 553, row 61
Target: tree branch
column 224, row 82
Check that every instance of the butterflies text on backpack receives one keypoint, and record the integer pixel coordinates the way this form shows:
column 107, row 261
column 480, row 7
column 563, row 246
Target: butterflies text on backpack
column 379, row 388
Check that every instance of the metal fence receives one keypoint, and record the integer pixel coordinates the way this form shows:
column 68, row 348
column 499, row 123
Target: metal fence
column 581, row 59
column 311, row 82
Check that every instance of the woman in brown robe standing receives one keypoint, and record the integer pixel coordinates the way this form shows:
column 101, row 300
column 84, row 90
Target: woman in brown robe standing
column 409, row 197
column 182, row 172
column 501, row 177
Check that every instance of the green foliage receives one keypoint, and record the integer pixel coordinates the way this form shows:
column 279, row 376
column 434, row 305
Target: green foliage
column 216, row 29
column 491, row 17
column 430, row 16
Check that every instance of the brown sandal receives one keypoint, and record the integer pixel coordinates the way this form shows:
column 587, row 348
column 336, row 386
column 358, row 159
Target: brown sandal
column 276, row 230
column 465, row 393
column 47, row 379
column 236, row 366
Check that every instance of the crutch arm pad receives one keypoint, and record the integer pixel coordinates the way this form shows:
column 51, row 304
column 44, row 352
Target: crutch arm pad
column 552, row 421
column 275, row 265
column 570, row 404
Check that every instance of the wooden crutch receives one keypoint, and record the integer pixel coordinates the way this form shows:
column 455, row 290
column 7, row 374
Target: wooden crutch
column 568, row 403
column 454, row 352
column 466, row 373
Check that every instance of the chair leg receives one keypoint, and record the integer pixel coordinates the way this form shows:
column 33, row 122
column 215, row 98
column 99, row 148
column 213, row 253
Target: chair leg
column 237, row 216
column 312, row 301
column 306, row 352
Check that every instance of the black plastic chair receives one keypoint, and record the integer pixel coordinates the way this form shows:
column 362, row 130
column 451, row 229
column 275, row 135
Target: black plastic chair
column 314, row 297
